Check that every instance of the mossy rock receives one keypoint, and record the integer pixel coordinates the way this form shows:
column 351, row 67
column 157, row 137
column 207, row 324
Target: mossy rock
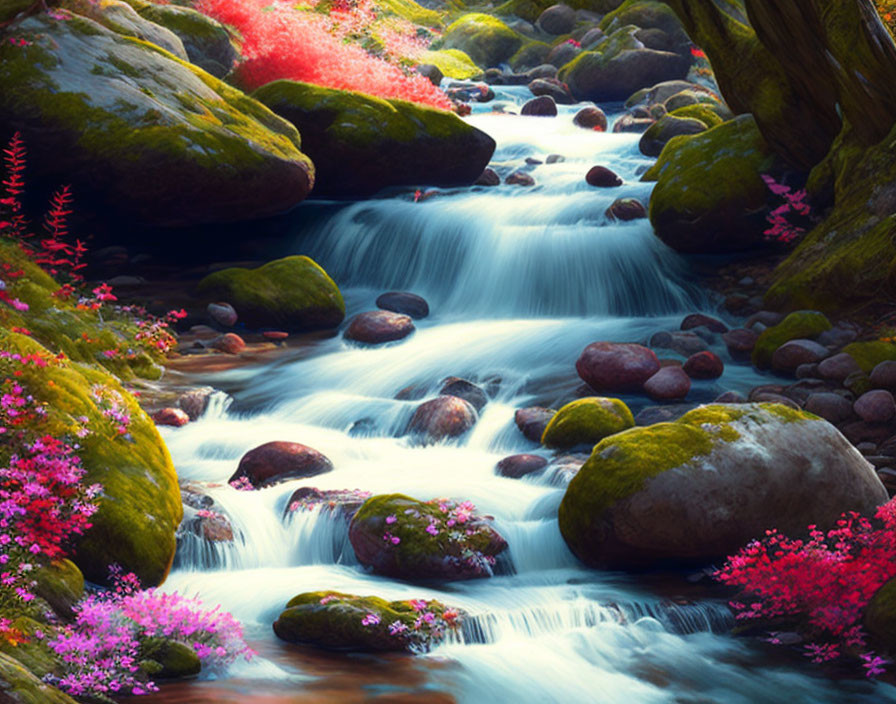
column 530, row 10
column 294, row 293
column 451, row 549
column 32, row 652
column 169, row 659
column 587, row 422
column 336, row 621
column 485, row 39
column 120, row 17
column 531, row 54
column 412, row 12
column 453, row 63
column 661, row 132
column 139, row 507
column 804, row 324
column 131, row 126
column 361, row 144
column 60, row 326
column 850, row 257
column 61, row 585
column 19, row 686
column 870, row 354
column 880, row 618
column 620, row 66
column 700, row 488
column 207, row 42
column 648, row 14
column 706, row 113
column 710, row 196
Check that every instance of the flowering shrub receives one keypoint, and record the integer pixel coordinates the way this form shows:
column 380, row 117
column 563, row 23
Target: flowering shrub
column 820, row 586
column 101, row 652
column 781, row 228
column 334, row 49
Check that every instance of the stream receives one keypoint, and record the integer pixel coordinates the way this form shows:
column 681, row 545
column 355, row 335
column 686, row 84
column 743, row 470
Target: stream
column 519, row 281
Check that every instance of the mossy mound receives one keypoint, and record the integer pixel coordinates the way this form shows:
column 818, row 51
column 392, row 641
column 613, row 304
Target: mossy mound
column 291, row 294
column 706, row 113
column 142, row 132
column 531, row 54
column 661, row 132
column 648, row 14
column 19, row 686
column 701, row 487
column 530, row 10
column 339, row 621
column 453, row 63
column 61, row 585
column 880, row 618
column 207, row 42
column 412, row 12
column 804, row 324
column 485, row 39
column 587, row 422
column 139, row 507
column 163, row 658
column 61, row 326
column 361, row 144
column 710, row 196
column 402, row 537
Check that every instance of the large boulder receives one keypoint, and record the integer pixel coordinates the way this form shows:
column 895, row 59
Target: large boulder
column 339, row 621
column 618, row 67
column 149, row 136
column 291, row 294
column 18, row 685
column 398, row 536
column 710, row 196
column 361, row 144
column 587, row 422
column 661, row 132
column 702, row 487
column 649, row 15
column 140, row 505
column 485, row 39
column 557, row 19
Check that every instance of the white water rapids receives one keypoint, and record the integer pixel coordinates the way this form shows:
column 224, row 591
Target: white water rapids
column 519, row 281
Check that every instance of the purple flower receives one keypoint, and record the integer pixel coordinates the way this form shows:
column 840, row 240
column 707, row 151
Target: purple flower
column 391, row 519
column 371, row 619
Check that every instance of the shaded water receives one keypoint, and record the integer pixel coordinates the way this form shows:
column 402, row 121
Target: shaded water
column 519, row 281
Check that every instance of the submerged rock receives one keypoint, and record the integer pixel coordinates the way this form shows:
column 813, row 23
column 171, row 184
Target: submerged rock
column 602, row 177
column 442, row 417
column 405, row 303
column 591, row 118
column 702, row 487
column 279, row 461
column 379, row 326
column 401, row 537
column 532, row 421
column 519, row 466
column 338, row 621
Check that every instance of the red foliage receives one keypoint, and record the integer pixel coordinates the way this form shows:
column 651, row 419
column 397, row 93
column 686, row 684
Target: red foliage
column 820, row 586
column 14, row 158
column 282, row 42
column 781, row 228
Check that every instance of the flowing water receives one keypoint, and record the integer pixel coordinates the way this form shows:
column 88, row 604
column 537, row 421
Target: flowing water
column 519, row 281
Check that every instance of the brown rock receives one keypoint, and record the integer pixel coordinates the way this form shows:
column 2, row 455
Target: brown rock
column 612, row 366
column 518, row 466
column 704, row 365
column 830, row 406
column 883, row 376
column 602, row 177
column 533, row 420
column 231, row 343
column 668, row 384
column 467, row 390
column 542, row 106
column 279, row 461
column 442, row 417
column 171, row 416
column 792, row 354
column 519, row 178
column 378, row 326
column 591, row 118
column 838, row 367
column 626, row 209
column 876, row 406
column 696, row 320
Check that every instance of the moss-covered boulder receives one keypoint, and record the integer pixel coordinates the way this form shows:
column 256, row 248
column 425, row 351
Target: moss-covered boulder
column 661, row 132
column 587, row 422
column 702, row 487
column 293, row 293
column 880, row 618
column 530, row 10
column 531, row 54
column 453, row 63
column 710, row 196
column 485, row 39
column 803, row 324
column 339, row 621
column 361, row 144
column 19, row 686
column 207, row 42
column 710, row 114
column 146, row 134
column 648, row 14
column 163, row 658
column 619, row 66
column 61, row 585
column 398, row 536
column 139, row 506
column 120, row 17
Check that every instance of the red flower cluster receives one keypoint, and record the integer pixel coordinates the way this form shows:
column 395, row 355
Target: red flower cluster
column 781, row 229
column 820, row 586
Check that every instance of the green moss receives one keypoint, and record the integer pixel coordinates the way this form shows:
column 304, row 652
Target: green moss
column 870, row 354
column 293, row 293
column 530, row 10
column 19, row 685
column 337, row 623
column 61, row 585
column 29, row 650
column 453, row 63
column 880, row 618
column 586, row 422
column 140, row 505
column 531, row 54
column 169, row 659
column 710, row 196
column 412, row 12
column 798, row 325
column 485, row 39
column 703, row 112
